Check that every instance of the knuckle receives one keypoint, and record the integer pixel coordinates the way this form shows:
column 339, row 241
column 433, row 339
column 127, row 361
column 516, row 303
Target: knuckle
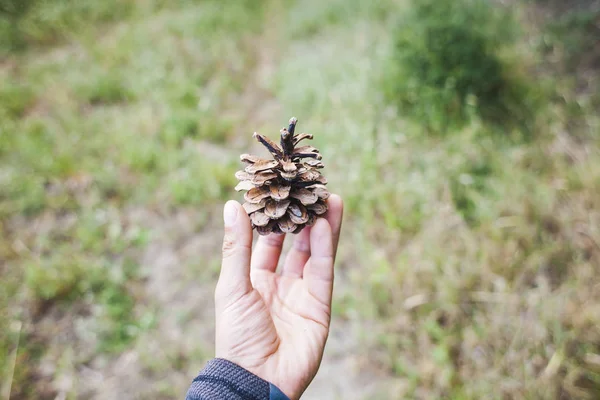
column 274, row 240
column 228, row 293
column 222, row 294
column 303, row 246
column 219, row 292
column 229, row 246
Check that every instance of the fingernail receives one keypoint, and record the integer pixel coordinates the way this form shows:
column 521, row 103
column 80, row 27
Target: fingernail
column 230, row 213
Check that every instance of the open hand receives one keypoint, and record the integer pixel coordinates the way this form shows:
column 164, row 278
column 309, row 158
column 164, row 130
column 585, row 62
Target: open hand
column 275, row 325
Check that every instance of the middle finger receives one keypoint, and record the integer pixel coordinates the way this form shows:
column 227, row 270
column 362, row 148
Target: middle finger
column 266, row 252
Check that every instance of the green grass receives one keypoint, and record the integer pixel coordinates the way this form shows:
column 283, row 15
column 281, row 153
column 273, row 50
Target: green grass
column 105, row 121
column 470, row 256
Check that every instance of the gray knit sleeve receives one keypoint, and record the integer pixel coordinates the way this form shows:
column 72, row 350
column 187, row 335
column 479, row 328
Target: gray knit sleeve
column 222, row 379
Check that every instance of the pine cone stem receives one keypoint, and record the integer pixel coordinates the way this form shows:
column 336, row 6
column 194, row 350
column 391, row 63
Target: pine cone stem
column 292, row 126
column 287, row 138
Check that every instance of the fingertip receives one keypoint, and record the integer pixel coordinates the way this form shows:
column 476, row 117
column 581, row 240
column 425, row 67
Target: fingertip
column 335, row 202
column 235, row 203
column 238, row 230
column 335, row 211
column 230, row 213
column 320, row 226
column 302, row 240
column 334, row 216
column 235, row 216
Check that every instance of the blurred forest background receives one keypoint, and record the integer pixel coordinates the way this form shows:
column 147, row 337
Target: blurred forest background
column 464, row 136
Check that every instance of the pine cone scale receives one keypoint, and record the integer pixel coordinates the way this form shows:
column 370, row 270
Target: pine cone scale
column 302, row 136
column 305, row 149
column 276, row 209
column 262, row 178
column 249, row 158
column 257, row 194
column 244, row 185
column 319, row 208
column 321, row 191
column 280, row 192
column 273, row 147
column 259, row 218
column 252, row 207
column 305, row 196
column 286, row 225
column 261, row 165
column 313, row 163
column 298, row 217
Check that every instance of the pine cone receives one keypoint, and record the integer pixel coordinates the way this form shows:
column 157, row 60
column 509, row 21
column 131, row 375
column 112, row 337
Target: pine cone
column 287, row 193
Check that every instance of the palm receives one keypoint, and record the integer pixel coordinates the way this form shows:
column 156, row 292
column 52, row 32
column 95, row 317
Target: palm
column 278, row 326
column 286, row 329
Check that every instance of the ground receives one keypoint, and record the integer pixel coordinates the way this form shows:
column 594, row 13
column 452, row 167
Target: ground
column 468, row 263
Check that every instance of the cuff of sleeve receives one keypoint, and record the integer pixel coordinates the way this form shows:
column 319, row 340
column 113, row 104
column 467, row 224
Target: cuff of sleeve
column 221, row 378
column 276, row 394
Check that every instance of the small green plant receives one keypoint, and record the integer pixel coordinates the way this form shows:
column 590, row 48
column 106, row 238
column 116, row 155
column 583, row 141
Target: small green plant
column 468, row 186
column 106, row 88
column 448, row 66
column 15, row 98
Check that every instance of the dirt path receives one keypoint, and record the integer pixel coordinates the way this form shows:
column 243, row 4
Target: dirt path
column 181, row 266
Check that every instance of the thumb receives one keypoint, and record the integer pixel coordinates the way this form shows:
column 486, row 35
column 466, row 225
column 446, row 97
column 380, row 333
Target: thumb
column 234, row 280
